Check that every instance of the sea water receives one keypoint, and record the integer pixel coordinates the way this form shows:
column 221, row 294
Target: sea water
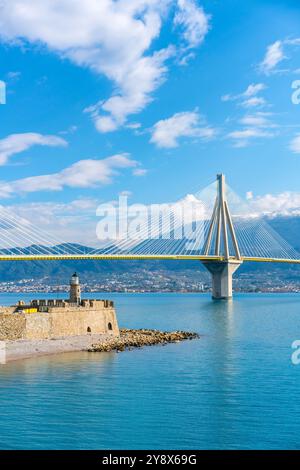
column 234, row 388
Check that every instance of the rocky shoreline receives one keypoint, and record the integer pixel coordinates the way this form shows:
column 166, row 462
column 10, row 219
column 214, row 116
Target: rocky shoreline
column 130, row 338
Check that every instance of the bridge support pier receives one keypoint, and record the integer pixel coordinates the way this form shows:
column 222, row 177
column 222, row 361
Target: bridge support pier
column 222, row 272
column 221, row 269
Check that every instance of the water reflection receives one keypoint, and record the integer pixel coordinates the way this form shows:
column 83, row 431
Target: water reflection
column 57, row 364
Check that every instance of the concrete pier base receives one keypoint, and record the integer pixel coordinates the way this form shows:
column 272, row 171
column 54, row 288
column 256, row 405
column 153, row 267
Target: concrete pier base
column 222, row 272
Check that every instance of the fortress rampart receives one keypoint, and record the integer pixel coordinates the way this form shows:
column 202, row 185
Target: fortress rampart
column 46, row 319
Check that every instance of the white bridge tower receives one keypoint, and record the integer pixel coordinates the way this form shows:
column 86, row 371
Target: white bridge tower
column 219, row 235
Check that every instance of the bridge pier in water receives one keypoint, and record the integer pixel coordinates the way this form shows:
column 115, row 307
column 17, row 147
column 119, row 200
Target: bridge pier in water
column 218, row 235
column 221, row 274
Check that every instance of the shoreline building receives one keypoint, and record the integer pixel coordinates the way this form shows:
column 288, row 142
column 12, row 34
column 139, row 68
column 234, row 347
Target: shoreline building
column 54, row 318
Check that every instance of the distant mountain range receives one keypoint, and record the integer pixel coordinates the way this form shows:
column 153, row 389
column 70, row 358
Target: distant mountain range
column 288, row 228
column 59, row 271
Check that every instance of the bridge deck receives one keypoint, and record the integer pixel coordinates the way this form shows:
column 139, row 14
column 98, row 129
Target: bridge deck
column 49, row 257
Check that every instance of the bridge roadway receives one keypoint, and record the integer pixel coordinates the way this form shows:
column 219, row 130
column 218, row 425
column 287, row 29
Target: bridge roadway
column 91, row 256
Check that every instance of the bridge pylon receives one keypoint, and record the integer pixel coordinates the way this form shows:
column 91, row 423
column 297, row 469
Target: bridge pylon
column 218, row 243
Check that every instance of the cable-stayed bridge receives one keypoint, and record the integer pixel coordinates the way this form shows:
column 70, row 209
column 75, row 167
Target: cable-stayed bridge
column 201, row 227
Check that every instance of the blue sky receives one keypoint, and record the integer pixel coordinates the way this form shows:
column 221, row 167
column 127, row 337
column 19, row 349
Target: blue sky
column 153, row 98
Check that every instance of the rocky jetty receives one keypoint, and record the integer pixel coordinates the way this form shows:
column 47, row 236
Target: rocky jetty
column 129, row 339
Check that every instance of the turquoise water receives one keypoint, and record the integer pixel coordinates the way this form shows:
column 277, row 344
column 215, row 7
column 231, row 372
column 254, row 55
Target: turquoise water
column 233, row 388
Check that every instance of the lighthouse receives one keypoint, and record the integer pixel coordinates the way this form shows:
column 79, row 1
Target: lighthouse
column 75, row 294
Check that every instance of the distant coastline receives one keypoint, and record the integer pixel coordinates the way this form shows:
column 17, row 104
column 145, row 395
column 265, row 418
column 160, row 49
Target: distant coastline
column 11, row 288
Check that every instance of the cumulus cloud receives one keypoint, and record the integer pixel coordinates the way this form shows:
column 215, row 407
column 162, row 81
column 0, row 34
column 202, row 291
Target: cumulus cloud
column 295, row 144
column 193, row 20
column 255, row 126
column 248, row 98
column 283, row 204
column 137, row 86
column 243, row 136
column 274, row 55
column 258, row 120
column 253, row 102
column 82, row 174
column 167, row 132
column 16, row 143
column 60, row 221
column 253, row 89
column 110, row 37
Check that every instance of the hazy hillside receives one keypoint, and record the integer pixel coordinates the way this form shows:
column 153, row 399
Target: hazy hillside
column 288, row 228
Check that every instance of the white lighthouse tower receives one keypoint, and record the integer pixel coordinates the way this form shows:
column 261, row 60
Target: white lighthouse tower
column 75, row 294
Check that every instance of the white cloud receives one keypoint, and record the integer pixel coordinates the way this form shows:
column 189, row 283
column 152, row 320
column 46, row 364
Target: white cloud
column 243, row 136
column 227, row 97
column 60, row 221
column 253, row 89
column 258, row 120
column 137, row 85
column 167, row 132
column 295, row 144
column 134, row 125
column 293, row 42
column 256, row 126
column 274, row 55
column 194, row 21
column 249, row 133
column 139, row 172
column 16, row 143
column 110, row 37
column 13, row 76
column 283, row 204
column 82, row 174
column 70, row 130
column 248, row 98
column 254, row 102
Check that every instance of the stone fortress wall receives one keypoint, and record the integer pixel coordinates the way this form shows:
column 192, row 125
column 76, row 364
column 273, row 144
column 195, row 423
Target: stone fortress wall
column 46, row 319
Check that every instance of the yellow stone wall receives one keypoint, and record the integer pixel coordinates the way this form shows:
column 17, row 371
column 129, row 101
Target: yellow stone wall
column 78, row 321
column 58, row 322
column 12, row 326
column 38, row 326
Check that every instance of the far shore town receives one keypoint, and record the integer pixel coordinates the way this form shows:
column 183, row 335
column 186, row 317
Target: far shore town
column 160, row 281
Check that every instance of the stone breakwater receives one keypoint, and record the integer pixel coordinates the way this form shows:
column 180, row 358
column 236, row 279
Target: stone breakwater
column 129, row 339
